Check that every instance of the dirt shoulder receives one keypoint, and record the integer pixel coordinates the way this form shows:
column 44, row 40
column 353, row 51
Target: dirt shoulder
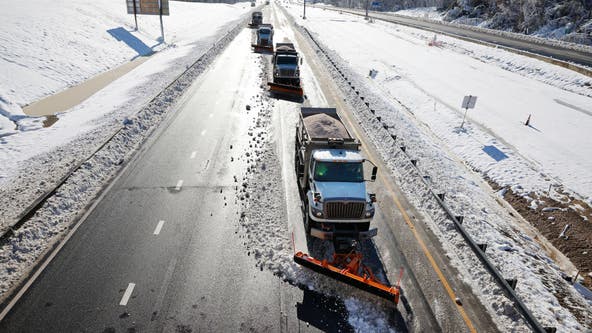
column 566, row 224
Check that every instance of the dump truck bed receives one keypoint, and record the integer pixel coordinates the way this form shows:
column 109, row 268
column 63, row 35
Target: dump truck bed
column 324, row 127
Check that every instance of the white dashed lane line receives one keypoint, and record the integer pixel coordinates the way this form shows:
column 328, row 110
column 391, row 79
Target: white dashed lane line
column 203, row 132
column 193, row 155
column 179, row 185
column 127, row 294
column 158, row 227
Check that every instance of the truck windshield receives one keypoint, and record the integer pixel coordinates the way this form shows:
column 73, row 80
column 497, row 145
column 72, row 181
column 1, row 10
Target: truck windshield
column 287, row 60
column 338, row 172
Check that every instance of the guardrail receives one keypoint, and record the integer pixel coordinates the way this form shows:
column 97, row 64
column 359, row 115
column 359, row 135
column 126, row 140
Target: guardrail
column 457, row 220
column 535, row 41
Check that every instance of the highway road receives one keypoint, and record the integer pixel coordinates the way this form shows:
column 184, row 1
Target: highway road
column 556, row 52
column 163, row 250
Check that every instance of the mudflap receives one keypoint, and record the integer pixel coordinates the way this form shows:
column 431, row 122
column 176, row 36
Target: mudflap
column 286, row 89
column 344, row 273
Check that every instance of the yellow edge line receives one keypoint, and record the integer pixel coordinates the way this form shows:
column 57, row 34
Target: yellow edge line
column 421, row 243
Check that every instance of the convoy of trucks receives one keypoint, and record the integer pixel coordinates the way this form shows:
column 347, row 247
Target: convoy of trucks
column 337, row 206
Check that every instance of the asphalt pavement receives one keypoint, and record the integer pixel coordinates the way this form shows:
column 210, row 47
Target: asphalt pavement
column 161, row 251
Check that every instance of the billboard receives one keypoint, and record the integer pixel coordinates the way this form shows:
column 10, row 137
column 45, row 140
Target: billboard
column 147, row 7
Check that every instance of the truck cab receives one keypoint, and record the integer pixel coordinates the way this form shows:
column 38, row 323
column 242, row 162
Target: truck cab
column 331, row 175
column 286, row 68
column 265, row 35
column 256, row 18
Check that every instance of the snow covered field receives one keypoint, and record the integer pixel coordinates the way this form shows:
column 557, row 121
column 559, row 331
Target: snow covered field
column 431, row 82
column 417, row 93
column 46, row 51
column 37, row 67
column 125, row 112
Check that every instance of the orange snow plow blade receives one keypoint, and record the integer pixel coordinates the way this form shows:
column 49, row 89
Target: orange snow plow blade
column 286, row 89
column 262, row 49
column 348, row 268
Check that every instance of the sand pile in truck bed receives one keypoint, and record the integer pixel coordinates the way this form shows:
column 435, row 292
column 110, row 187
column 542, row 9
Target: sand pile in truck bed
column 324, row 126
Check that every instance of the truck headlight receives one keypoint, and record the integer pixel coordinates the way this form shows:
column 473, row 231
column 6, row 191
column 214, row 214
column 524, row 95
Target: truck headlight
column 316, row 212
column 369, row 211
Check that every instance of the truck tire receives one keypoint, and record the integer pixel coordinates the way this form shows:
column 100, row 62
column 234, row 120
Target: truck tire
column 307, row 224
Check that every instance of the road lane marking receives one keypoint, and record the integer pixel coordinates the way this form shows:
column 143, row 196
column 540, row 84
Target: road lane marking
column 179, row 185
column 211, row 114
column 193, row 155
column 127, row 294
column 203, row 132
column 158, row 227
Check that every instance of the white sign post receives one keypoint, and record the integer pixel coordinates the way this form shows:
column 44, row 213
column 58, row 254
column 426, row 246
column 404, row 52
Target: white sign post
column 468, row 103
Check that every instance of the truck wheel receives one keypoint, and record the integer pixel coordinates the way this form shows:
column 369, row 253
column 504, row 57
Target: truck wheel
column 306, row 219
column 307, row 225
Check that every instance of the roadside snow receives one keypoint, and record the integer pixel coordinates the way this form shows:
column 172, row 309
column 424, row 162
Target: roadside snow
column 431, row 82
column 34, row 158
column 424, row 12
column 417, row 93
column 22, row 250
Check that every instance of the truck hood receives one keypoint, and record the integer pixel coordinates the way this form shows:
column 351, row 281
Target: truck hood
column 341, row 190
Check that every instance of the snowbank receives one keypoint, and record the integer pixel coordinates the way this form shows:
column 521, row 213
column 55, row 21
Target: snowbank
column 427, row 123
column 49, row 153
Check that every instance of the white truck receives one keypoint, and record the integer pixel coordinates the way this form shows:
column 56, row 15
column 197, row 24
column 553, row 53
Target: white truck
column 264, row 37
column 286, row 71
column 330, row 176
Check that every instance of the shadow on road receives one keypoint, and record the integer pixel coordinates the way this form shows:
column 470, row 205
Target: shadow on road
column 327, row 313
column 324, row 250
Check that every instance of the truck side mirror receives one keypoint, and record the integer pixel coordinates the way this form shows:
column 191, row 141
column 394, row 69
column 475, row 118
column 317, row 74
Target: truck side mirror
column 374, row 172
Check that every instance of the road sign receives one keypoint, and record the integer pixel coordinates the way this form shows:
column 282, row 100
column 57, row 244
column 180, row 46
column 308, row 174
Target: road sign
column 148, row 7
column 469, row 102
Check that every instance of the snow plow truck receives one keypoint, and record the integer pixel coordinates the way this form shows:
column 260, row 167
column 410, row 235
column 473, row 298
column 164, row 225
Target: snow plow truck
column 336, row 205
column 256, row 19
column 264, row 38
column 286, row 71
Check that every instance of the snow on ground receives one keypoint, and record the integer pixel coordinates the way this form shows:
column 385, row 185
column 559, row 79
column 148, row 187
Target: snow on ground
column 49, row 153
column 126, row 112
column 559, row 102
column 423, row 12
column 46, row 51
column 417, row 92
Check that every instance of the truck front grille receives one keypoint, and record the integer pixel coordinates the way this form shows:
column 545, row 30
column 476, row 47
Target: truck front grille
column 287, row 73
column 344, row 210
